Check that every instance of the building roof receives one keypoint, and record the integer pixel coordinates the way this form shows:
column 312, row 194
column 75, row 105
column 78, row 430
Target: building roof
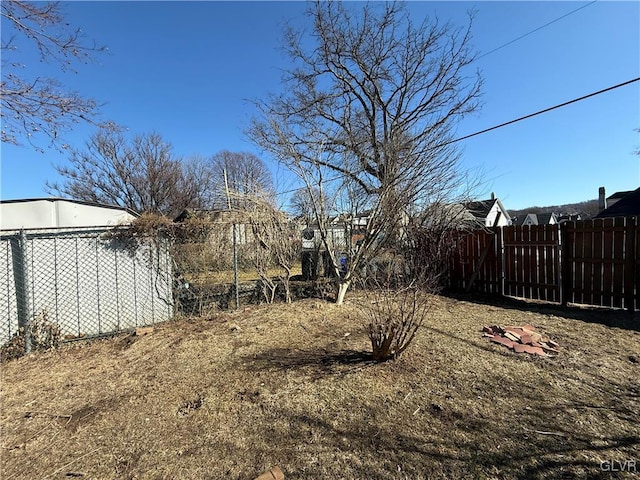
column 569, row 217
column 35, row 213
column 534, row 219
column 627, row 206
column 619, row 195
column 480, row 209
column 70, row 200
column 545, row 218
column 521, row 219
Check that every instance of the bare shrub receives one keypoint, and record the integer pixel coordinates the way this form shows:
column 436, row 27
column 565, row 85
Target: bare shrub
column 14, row 347
column 394, row 316
column 276, row 245
column 428, row 253
column 44, row 335
column 398, row 288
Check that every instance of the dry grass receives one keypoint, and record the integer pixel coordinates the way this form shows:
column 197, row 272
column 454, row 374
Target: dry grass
column 289, row 385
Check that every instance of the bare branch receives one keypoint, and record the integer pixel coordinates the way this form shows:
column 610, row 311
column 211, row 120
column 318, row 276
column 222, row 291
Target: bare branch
column 372, row 101
column 247, row 175
column 276, row 244
column 41, row 107
column 143, row 175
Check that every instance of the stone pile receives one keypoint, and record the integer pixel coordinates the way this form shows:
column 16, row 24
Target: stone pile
column 523, row 339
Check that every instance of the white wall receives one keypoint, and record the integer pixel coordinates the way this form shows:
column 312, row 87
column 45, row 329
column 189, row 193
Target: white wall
column 58, row 213
column 491, row 217
column 86, row 283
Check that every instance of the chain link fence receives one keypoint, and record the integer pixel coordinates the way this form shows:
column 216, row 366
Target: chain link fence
column 81, row 283
column 208, row 264
column 86, row 282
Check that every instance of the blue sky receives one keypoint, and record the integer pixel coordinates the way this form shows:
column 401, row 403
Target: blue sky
column 186, row 70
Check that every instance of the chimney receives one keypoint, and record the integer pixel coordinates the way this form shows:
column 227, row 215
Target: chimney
column 493, row 196
column 602, row 199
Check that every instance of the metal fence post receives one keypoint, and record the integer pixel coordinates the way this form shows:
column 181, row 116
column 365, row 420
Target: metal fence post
column 235, row 244
column 23, row 302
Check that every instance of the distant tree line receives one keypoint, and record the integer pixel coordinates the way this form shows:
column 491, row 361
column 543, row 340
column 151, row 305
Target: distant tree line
column 586, row 209
column 144, row 174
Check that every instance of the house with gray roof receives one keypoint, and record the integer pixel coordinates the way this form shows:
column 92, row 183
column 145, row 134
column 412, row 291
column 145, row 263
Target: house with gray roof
column 548, row 218
column 535, row 219
column 528, row 219
column 489, row 213
column 625, row 204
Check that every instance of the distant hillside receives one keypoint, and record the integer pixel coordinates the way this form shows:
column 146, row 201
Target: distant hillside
column 587, row 209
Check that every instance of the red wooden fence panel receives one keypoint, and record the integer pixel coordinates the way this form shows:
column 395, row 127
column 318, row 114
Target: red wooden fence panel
column 531, row 260
column 592, row 262
column 600, row 262
column 477, row 265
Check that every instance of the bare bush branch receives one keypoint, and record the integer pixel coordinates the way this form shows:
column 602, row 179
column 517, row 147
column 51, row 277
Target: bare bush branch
column 394, row 316
column 277, row 244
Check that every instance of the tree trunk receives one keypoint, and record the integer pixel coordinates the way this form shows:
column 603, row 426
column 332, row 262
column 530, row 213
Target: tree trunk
column 285, row 281
column 342, row 290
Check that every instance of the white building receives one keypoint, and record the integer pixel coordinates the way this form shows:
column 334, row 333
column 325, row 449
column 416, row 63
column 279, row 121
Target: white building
column 489, row 213
column 60, row 259
column 60, row 213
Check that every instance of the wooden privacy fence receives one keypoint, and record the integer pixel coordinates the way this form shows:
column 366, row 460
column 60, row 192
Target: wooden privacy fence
column 591, row 262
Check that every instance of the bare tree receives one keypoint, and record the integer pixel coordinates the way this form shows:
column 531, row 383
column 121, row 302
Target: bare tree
column 277, row 244
column 247, row 176
column 301, row 204
column 143, row 175
column 35, row 107
column 372, row 105
column 198, row 182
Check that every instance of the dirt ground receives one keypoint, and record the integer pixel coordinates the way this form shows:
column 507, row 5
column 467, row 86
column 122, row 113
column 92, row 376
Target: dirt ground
column 231, row 395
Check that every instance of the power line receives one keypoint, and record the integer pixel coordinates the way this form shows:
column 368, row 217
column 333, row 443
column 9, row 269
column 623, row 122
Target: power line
column 543, row 111
column 518, row 119
column 540, row 112
column 535, row 30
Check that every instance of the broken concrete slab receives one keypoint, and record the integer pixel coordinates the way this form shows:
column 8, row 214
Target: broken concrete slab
column 521, row 339
column 512, row 336
column 504, row 341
